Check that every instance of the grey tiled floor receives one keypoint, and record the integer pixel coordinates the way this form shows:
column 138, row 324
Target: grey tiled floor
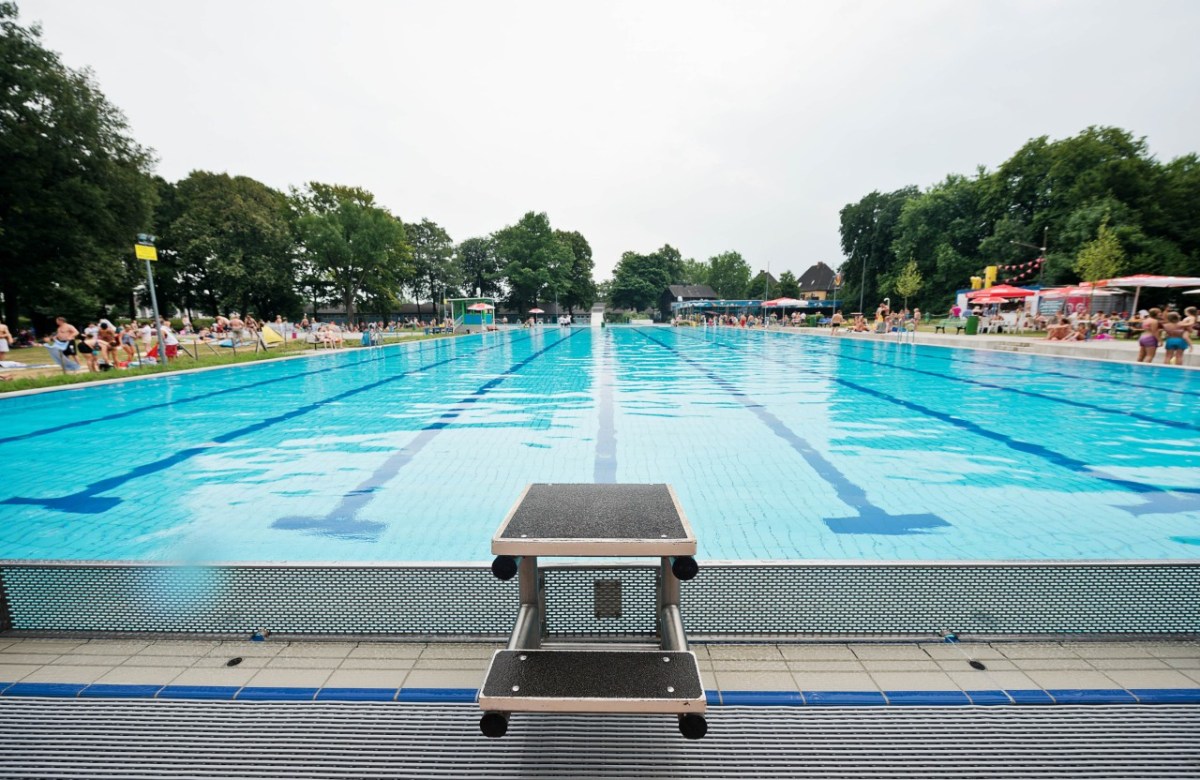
column 859, row 666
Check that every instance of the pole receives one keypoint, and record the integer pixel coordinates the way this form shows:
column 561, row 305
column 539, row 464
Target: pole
column 162, row 347
column 862, row 289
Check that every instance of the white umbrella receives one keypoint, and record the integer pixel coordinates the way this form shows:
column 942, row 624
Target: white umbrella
column 1150, row 280
column 1192, row 292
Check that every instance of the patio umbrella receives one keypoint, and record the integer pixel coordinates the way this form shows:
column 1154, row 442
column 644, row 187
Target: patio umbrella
column 1149, row 280
column 779, row 303
column 480, row 307
column 988, row 300
column 1001, row 291
column 1192, row 292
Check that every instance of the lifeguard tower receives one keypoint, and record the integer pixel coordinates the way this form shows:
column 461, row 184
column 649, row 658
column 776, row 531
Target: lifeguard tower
column 473, row 315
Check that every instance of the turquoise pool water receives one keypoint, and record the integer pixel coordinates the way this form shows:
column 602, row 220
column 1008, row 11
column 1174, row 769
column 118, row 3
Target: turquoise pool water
column 780, row 446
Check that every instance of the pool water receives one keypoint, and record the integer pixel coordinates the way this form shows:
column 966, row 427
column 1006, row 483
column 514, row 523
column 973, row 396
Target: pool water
column 780, row 446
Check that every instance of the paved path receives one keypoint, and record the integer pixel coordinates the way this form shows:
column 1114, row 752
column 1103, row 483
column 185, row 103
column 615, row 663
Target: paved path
column 863, row 672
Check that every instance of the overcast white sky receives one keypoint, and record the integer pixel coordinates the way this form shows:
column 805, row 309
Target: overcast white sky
column 709, row 126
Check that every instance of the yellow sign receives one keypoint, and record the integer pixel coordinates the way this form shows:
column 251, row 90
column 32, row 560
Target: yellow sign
column 145, row 252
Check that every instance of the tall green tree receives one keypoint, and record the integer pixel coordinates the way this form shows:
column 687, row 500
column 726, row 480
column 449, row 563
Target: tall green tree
column 579, row 287
column 869, row 228
column 480, row 266
column 640, row 280
column 908, row 282
column 694, row 272
column 436, row 271
column 1101, row 258
column 75, row 189
column 789, row 285
column 230, row 240
column 535, row 262
column 357, row 247
column 729, row 275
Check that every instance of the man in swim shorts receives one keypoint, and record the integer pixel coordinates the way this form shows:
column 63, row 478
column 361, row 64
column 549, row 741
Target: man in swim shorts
column 1148, row 343
column 835, row 322
column 1177, row 341
column 64, row 336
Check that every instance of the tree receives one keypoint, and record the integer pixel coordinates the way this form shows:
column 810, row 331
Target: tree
column 869, row 229
column 694, row 272
column 763, row 284
column 640, row 280
column 1102, row 258
column 479, row 266
column 789, row 285
column 534, row 260
column 908, row 283
column 729, row 275
column 435, row 270
column 230, row 241
column 75, row 189
column 580, row 288
column 358, row 248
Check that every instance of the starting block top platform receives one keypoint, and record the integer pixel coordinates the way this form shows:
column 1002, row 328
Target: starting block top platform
column 593, row 681
column 591, row 519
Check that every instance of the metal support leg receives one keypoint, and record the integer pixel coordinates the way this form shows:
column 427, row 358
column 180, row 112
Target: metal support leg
column 670, row 622
column 527, row 633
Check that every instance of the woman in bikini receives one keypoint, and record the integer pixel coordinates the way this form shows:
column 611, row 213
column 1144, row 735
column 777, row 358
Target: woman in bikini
column 1177, row 341
column 1148, row 343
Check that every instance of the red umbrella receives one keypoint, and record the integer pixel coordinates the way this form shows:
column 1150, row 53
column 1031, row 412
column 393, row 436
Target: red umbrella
column 777, row 303
column 988, row 300
column 480, row 307
column 1001, row 291
column 537, row 311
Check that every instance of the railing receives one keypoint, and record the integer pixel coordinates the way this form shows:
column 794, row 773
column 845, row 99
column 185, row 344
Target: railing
column 727, row 599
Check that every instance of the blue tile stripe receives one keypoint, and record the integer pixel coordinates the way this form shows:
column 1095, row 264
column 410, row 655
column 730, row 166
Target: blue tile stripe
column 944, row 698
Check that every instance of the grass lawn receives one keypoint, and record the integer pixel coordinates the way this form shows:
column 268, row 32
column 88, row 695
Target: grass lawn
column 43, row 372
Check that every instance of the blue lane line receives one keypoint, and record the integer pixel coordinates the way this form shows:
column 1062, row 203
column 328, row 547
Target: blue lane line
column 1155, row 499
column 605, row 468
column 944, row 698
column 1030, row 393
column 202, row 397
column 89, row 501
column 870, row 519
column 343, row 520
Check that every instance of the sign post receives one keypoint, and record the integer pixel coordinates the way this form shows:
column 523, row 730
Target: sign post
column 144, row 250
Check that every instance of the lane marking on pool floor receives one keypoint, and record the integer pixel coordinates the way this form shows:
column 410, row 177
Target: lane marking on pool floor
column 604, row 469
column 870, row 519
column 211, row 394
column 1156, row 499
column 89, row 501
column 343, row 520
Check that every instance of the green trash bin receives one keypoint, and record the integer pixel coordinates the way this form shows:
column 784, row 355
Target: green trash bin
column 972, row 325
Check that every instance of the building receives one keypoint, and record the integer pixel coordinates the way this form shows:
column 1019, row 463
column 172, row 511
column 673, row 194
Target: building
column 678, row 293
column 817, row 283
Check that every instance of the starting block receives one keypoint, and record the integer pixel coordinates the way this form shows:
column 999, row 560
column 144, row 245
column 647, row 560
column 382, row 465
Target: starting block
column 588, row 520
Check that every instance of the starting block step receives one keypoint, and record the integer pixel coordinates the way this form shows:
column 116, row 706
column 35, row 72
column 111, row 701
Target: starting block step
column 595, row 520
column 649, row 681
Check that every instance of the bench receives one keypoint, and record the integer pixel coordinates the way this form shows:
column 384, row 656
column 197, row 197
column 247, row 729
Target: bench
column 580, row 520
column 958, row 323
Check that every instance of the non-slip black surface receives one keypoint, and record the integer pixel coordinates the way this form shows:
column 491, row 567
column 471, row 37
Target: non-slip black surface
column 574, row 674
column 588, row 511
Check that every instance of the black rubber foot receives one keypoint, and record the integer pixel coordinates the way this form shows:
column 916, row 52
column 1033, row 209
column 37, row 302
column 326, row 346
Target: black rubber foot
column 685, row 568
column 504, row 567
column 495, row 725
column 693, row 726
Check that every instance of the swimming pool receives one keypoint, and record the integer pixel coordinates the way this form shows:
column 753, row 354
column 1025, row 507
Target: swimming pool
column 780, row 446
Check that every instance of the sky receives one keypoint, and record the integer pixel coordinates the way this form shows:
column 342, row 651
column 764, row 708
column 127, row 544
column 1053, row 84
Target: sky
column 710, row 126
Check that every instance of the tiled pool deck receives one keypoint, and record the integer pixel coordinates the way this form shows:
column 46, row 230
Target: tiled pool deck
column 854, row 673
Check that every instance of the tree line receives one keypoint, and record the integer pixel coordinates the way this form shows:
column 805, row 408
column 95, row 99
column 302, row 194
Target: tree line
column 639, row 279
column 1099, row 202
column 75, row 189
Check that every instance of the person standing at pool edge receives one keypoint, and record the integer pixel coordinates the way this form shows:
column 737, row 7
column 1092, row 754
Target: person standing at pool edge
column 1148, row 342
column 1177, row 341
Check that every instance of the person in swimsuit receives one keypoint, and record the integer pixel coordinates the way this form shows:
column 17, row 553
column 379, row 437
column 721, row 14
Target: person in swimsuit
column 87, row 348
column 5, row 340
column 1177, row 341
column 835, row 322
column 1148, row 343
